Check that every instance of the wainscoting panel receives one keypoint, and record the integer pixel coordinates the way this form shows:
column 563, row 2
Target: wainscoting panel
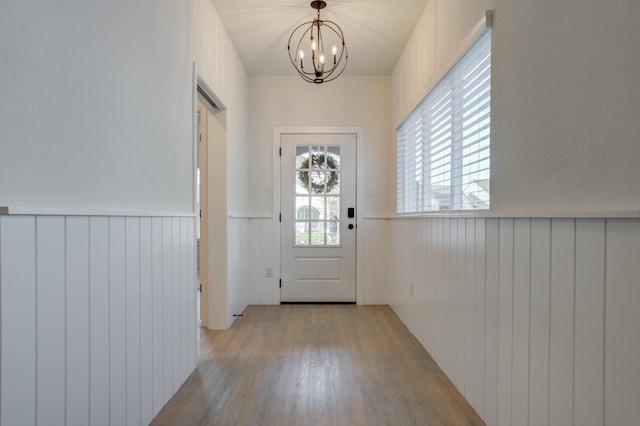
column 561, row 316
column 535, row 321
column 146, row 319
column 521, row 314
column 262, row 289
column 157, row 291
column 479, row 318
column 78, row 332
column 97, row 317
column 539, row 332
column 239, row 267
column 132, row 316
column 50, row 314
column 117, row 322
column 99, row 320
column 491, row 322
column 622, row 322
column 19, row 320
column 589, row 322
column 506, row 256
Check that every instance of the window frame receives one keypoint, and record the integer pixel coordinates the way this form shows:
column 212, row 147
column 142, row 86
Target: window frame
column 455, row 115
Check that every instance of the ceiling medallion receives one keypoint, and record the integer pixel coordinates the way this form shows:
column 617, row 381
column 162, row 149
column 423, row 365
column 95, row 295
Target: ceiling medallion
column 307, row 45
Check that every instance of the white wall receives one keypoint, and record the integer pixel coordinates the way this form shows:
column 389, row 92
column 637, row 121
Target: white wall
column 350, row 102
column 533, row 320
column 97, row 317
column 96, row 106
column 565, row 96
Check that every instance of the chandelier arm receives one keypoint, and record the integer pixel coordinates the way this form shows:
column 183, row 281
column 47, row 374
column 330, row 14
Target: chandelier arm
column 338, row 64
column 301, row 70
column 338, row 32
column 331, row 78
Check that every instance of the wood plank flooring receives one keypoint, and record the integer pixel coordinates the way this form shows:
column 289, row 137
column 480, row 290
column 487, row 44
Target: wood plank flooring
column 316, row 365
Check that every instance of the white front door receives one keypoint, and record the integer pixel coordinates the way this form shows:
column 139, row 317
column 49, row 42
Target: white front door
column 318, row 207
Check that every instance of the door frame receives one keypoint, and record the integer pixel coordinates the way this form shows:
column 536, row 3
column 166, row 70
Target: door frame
column 277, row 133
column 213, row 105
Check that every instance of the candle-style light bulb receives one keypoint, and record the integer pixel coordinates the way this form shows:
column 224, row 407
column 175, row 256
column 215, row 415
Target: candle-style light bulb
column 313, row 45
column 334, row 49
column 321, row 63
column 301, row 58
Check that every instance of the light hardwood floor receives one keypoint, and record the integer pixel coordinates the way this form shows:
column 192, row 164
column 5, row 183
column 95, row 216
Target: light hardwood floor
column 316, row 365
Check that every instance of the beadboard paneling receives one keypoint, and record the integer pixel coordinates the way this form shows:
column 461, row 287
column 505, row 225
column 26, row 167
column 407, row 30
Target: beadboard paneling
column 146, row 321
column 521, row 315
column 491, row 322
column 480, row 317
column 533, row 319
column 78, row 332
column 98, row 317
column 132, row 317
column 157, row 295
column 117, row 322
column 99, row 320
column 539, row 337
column 589, row 322
column 622, row 322
column 18, row 284
column 51, row 319
column 505, row 320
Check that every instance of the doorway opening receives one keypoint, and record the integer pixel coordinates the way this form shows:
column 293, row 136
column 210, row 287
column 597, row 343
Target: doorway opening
column 208, row 112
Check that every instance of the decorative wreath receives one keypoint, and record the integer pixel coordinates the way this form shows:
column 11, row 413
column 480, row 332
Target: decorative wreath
column 321, row 173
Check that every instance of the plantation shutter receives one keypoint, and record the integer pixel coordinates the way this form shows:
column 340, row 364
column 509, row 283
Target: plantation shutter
column 444, row 144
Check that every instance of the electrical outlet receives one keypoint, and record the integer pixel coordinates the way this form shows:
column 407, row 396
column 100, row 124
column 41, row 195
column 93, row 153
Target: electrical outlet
column 410, row 289
column 269, row 273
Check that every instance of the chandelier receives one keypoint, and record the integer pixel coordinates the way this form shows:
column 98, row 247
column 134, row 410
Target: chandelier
column 307, row 49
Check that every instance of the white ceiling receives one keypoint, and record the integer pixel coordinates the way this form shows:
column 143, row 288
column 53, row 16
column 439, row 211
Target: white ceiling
column 375, row 31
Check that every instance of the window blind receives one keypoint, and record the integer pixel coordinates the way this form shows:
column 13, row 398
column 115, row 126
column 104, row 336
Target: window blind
column 443, row 155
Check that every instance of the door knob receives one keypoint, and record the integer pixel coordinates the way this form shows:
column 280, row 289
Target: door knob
column 350, row 226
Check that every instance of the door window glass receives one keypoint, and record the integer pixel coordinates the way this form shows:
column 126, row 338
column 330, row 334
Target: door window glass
column 317, row 177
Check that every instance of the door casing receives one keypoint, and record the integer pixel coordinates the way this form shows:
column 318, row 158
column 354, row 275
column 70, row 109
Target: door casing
column 277, row 133
column 209, row 313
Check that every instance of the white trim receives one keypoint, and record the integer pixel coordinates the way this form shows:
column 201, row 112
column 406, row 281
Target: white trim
column 614, row 214
column 207, row 88
column 194, row 139
column 45, row 211
column 277, row 133
column 235, row 216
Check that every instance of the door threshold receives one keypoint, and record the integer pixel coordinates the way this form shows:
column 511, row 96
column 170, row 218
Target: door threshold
column 317, row 303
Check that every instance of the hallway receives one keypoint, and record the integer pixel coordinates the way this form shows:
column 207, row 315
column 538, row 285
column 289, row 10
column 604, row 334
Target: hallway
column 316, row 365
